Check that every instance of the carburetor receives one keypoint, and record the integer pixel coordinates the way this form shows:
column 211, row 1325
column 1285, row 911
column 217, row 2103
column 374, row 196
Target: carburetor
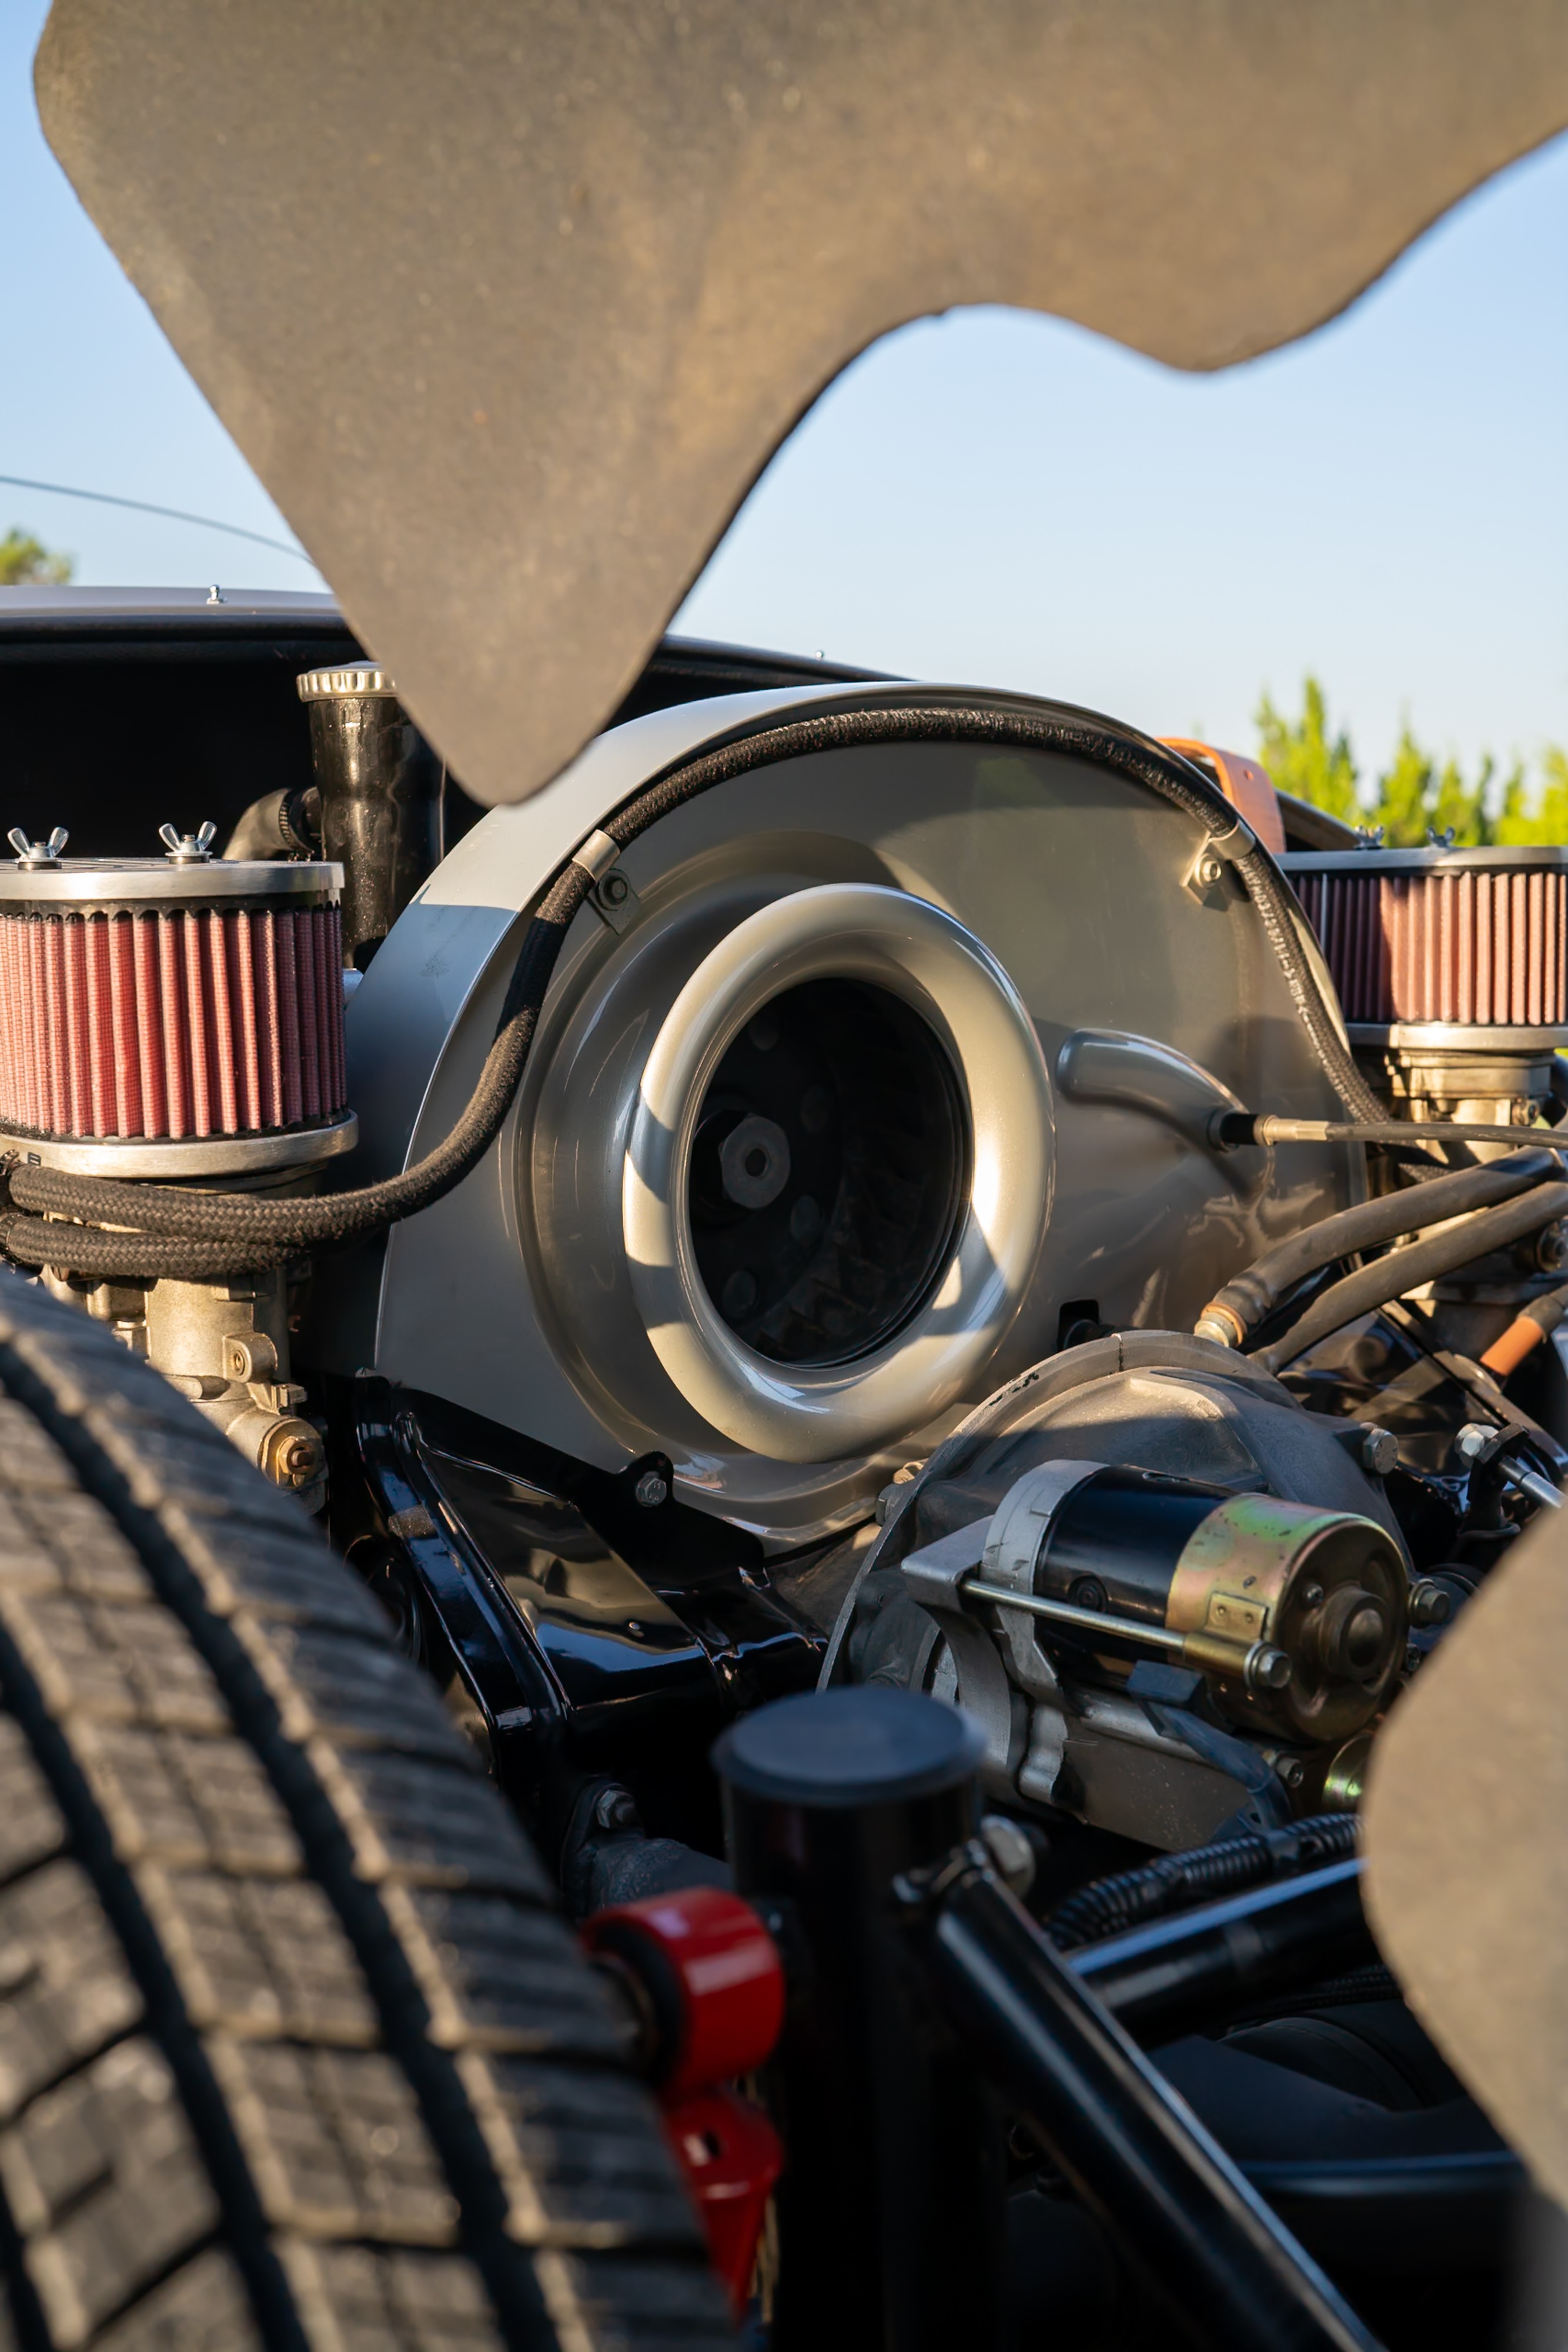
column 180, row 1019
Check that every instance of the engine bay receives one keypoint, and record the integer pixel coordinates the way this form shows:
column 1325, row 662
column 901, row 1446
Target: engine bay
column 860, row 1185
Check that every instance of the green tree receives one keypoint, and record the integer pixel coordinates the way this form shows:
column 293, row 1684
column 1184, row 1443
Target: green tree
column 1304, row 760
column 1548, row 820
column 1417, row 795
column 24, row 560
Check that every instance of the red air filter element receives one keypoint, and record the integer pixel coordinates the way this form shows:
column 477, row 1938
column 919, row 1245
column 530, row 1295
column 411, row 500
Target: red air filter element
column 1474, row 939
column 159, row 1004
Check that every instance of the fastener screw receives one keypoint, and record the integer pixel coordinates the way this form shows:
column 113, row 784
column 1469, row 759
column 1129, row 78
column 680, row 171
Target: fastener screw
column 1013, row 1855
column 1380, row 1450
column 1209, row 871
column 615, row 1809
column 1430, row 1604
column 1474, row 1441
column 1267, row 1669
column 652, row 1489
column 1291, row 1770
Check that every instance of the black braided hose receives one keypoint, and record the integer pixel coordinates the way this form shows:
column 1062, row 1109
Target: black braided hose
column 164, row 1231
column 1176, row 1881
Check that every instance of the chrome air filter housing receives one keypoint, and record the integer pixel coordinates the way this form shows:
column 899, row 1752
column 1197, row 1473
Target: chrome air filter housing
column 171, row 1017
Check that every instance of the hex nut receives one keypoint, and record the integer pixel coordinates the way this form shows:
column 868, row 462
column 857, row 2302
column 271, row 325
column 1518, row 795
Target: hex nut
column 1430, row 1604
column 1475, row 1441
column 293, row 1452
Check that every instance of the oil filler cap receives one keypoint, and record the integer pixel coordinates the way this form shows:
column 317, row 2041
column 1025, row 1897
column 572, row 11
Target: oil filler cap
column 836, row 1750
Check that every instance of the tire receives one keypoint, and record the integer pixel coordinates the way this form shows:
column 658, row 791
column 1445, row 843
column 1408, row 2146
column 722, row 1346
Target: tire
column 295, row 2050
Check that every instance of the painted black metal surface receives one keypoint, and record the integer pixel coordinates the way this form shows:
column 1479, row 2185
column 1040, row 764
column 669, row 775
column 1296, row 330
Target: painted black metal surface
column 1178, row 2207
column 1177, row 1975
column 586, row 1631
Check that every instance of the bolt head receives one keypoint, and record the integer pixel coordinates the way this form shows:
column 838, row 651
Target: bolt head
column 1380, row 1451
column 1473, row 1441
column 615, row 1809
column 613, row 889
column 1430, row 1604
column 1291, row 1770
column 1551, row 1248
column 1312, row 1596
column 1268, row 1668
column 652, row 1489
column 1013, row 1855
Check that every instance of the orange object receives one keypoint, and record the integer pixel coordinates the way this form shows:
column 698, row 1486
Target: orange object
column 1247, row 787
column 1506, row 1354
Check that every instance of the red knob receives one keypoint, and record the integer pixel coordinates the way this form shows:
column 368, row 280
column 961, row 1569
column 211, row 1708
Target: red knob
column 712, row 1977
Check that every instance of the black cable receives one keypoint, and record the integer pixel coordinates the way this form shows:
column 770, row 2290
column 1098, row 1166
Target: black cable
column 1547, row 1311
column 1108, row 1905
column 1426, row 1261
column 1240, row 1305
column 170, row 514
column 200, row 1236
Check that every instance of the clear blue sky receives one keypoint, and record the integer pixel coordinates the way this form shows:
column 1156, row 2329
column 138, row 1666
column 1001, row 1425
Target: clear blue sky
column 996, row 496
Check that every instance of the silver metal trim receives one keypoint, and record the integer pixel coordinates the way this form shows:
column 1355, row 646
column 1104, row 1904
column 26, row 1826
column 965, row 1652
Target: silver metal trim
column 355, row 681
column 1418, row 1037
column 1421, row 861
column 1023, row 1519
column 86, row 881
column 207, row 1155
column 825, row 1412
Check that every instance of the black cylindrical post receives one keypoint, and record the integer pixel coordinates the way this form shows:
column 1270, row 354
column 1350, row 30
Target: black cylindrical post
column 382, row 790
column 891, row 2206
column 1179, row 1975
column 1230, row 2272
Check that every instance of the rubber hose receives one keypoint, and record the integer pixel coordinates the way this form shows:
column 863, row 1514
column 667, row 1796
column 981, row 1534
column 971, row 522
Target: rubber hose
column 1389, row 1278
column 1176, row 1880
column 245, row 1232
column 1243, row 1302
column 1525, row 1333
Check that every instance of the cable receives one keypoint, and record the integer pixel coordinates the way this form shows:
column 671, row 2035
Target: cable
column 200, row 1236
column 170, row 514
column 1234, row 1129
column 1240, row 1305
column 1107, row 1907
column 1427, row 1261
